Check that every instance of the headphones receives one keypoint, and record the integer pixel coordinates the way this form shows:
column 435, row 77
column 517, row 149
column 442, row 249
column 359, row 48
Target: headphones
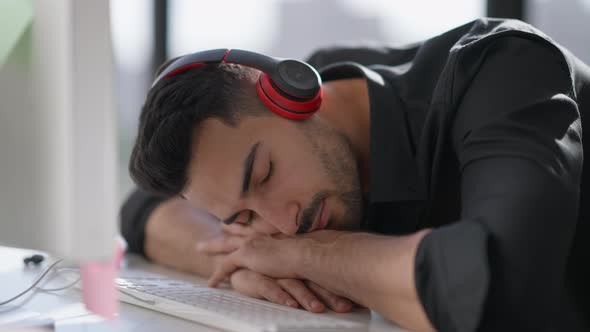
column 290, row 88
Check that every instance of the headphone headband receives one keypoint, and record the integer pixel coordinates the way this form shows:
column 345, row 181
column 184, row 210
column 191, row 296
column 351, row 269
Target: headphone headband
column 288, row 87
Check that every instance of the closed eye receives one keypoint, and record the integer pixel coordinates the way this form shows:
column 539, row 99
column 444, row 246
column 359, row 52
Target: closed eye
column 269, row 174
column 248, row 220
column 240, row 218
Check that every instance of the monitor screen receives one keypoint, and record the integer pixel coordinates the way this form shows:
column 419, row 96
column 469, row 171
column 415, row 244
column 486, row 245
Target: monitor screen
column 58, row 132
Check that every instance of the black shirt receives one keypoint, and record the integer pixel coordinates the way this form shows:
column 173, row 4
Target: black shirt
column 477, row 133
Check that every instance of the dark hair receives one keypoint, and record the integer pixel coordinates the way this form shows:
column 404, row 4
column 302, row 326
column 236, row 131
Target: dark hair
column 171, row 115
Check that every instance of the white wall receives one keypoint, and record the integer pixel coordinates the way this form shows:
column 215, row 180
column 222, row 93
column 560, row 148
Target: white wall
column 565, row 21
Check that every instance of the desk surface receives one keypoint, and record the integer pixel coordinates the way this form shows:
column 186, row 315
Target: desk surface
column 66, row 308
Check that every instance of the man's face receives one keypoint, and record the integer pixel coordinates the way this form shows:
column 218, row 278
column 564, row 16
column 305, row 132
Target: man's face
column 277, row 175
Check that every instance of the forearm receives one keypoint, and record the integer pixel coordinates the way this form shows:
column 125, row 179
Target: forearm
column 172, row 232
column 374, row 270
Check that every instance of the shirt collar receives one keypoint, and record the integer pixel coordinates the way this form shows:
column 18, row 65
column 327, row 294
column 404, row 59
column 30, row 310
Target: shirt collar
column 393, row 169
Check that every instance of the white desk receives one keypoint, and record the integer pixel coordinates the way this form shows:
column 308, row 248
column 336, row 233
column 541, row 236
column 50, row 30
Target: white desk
column 66, row 309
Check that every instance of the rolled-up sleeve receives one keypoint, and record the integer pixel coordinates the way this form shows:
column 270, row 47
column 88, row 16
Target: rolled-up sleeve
column 517, row 137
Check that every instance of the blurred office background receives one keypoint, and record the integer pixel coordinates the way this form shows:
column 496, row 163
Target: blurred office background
column 146, row 32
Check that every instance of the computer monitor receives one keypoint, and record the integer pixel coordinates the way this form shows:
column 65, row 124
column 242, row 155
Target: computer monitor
column 58, row 134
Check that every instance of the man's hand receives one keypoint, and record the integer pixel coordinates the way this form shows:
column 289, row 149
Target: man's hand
column 289, row 292
column 230, row 239
column 374, row 270
column 286, row 291
column 275, row 256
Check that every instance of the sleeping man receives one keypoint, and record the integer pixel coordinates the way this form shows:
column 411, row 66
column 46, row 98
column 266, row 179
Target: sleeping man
column 441, row 185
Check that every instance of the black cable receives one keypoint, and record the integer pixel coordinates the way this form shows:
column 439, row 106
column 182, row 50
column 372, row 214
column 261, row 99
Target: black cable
column 33, row 285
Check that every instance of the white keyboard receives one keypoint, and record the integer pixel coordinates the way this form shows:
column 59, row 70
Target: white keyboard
column 222, row 308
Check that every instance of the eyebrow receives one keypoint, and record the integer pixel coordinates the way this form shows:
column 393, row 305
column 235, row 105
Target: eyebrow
column 248, row 165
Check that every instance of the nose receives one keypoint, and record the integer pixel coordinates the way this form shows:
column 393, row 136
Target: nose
column 276, row 217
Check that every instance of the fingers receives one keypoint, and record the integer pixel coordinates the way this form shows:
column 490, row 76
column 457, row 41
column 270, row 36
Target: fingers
column 289, row 292
column 220, row 245
column 231, row 239
column 238, row 229
column 256, row 285
column 305, row 297
column 334, row 302
column 264, row 255
column 223, row 271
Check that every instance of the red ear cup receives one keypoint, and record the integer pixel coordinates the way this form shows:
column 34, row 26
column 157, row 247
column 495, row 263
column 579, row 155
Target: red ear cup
column 291, row 107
